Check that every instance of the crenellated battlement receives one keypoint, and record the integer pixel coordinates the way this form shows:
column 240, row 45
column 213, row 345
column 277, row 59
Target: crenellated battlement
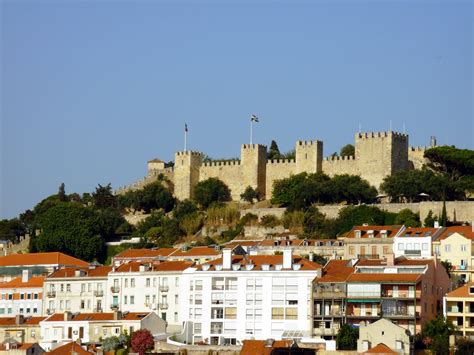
column 254, row 146
column 418, row 148
column 189, row 153
column 221, row 163
column 383, row 134
column 308, row 143
column 281, row 161
column 339, row 158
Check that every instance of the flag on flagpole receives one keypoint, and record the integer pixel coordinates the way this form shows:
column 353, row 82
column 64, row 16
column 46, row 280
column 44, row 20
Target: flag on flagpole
column 185, row 127
column 254, row 118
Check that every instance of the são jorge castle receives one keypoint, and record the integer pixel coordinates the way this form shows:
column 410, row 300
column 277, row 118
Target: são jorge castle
column 377, row 154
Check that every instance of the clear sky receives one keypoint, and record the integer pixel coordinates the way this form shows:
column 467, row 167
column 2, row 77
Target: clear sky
column 91, row 90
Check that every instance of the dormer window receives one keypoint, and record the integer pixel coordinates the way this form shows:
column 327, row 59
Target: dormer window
column 265, row 267
column 370, row 233
column 383, row 233
column 357, row 233
column 471, row 290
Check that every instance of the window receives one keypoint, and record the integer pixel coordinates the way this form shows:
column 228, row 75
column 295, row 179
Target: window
column 126, row 283
column 198, row 313
column 83, row 287
column 198, row 285
column 385, row 250
column 217, row 313
column 83, row 304
column 125, row 299
column 424, row 246
column 176, row 317
column 463, row 247
column 35, row 295
column 249, row 313
column 401, row 246
column 132, row 282
column 197, row 328
column 291, row 313
column 68, row 287
column 198, row 299
column 147, row 300
column 277, row 313
column 62, row 288
column 447, row 248
column 176, row 299
column 147, row 282
column 132, row 299
column 89, row 287
column 176, row 281
column 22, row 296
column 230, row 313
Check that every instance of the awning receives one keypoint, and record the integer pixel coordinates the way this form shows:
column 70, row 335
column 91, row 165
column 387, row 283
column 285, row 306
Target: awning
column 363, row 300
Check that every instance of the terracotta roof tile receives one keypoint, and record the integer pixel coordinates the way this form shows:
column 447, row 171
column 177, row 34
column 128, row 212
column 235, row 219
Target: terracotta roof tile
column 398, row 262
column 466, row 231
column 380, row 349
column 391, row 231
column 196, row 251
column 402, row 278
column 336, row 271
column 253, row 347
column 419, row 232
column 68, row 349
column 19, row 346
column 53, row 258
column 34, row 282
column 59, row 317
column 462, row 291
column 99, row 271
column 8, row 321
column 259, row 260
column 171, row 265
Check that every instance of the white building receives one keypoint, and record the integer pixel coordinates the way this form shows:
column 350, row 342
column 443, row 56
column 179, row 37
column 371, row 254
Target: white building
column 22, row 296
column 415, row 242
column 153, row 286
column 76, row 290
column 240, row 297
column 61, row 328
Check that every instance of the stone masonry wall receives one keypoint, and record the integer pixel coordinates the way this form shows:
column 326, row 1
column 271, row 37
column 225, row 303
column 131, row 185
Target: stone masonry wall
column 229, row 172
column 340, row 165
column 276, row 170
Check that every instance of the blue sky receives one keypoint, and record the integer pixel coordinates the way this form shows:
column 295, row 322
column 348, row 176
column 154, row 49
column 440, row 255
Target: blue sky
column 92, row 90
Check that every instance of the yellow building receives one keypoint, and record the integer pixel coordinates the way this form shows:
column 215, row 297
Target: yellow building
column 459, row 308
column 21, row 329
column 455, row 244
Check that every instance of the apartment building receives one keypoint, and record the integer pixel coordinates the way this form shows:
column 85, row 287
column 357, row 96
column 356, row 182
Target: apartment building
column 455, row 244
column 146, row 287
column 329, row 298
column 238, row 297
column 22, row 295
column 458, row 307
column 76, row 289
column 386, row 333
column 20, row 328
column 61, row 328
column 196, row 254
column 142, row 255
column 369, row 242
column 39, row 264
column 415, row 242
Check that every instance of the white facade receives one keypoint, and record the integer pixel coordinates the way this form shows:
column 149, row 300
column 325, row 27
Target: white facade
column 75, row 292
column 25, row 301
column 412, row 247
column 243, row 301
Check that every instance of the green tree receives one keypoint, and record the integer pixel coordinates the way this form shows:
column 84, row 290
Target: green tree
column 346, row 338
column 250, row 194
column 274, row 151
column 269, row 221
column 11, row 229
column 429, row 220
column 109, row 221
column 103, row 197
column 211, row 191
column 408, row 218
column 444, row 216
column 436, row 334
column 156, row 196
column 451, row 161
column 358, row 215
column 347, row 150
column 291, row 154
column 111, row 343
column 351, row 188
column 314, row 222
column 62, row 193
column 464, row 346
column 184, row 208
column 73, row 229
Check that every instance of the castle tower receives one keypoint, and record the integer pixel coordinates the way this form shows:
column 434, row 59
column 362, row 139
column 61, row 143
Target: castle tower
column 186, row 173
column 380, row 154
column 309, row 156
column 254, row 166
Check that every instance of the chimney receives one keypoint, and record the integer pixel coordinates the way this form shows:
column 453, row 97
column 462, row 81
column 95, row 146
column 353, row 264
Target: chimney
column 287, row 258
column 117, row 315
column 226, row 258
column 19, row 319
column 25, row 276
column 67, row 316
column 311, row 256
column 436, row 224
column 390, row 259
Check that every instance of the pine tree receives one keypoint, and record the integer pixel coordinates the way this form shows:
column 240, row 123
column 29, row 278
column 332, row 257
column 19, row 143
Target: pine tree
column 274, row 151
column 62, row 193
column 444, row 217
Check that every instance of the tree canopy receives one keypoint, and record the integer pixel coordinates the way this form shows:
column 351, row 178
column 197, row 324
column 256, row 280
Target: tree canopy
column 347, row 150
column 346, row 338
column 451, row 161
column 103, row 197
column 211, row 191
column 153, row 196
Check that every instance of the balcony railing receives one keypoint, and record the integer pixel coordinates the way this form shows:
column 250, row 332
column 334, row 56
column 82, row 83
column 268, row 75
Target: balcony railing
column 51, row 294
column 164, row 288
column 114, row 306
column 401, row 294
column 363, row 294
column 367, row 256
column 455, row 309
column 99, row 293
column 412, row 252
column 50, row 311
column 339, row 313
column 399, row 313
column 163, row 305
column 218, row 287
column 329, row 293
column 98, row 310
column 115, row 289
column 326, row 331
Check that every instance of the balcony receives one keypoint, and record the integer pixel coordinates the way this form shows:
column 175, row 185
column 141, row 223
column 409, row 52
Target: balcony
column 115, row 289
column 114, row 306
column 99, row 293
column 401, row 294
column 326, row 331
column 399, row 313
column 51, row 294
column 454, row 309
column 412, row 252
column 332, row 313
column 164, row 288
column 367, row 256
column 218, row 287
column 336, row 293
column 363, row 315
column 363, row 294
column 99, row 310
column 163, row 305
column 50, row 311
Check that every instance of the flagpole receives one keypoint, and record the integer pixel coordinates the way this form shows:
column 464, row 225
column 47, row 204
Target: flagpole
column 185, row 137
column 251, row 131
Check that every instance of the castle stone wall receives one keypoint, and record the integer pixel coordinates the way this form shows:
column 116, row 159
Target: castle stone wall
column 230, row 172
column 416, row 157
column 340, row 165
column 276, row 170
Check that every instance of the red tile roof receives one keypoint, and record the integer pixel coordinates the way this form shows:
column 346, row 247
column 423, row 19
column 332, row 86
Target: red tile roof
column 369, row 277
column 11, row 321
column 466, row 231
column 391, row 231
column 412, row 232
column 59, row 317
column 336, row 271
column 33, row 282
column 259, row 260
column 18, row 346
column 380, row 349
column 253, row 347
column 398, row 261
column 196, row 251
column 68, row 349
column 145, row 253
column 171, row 265
column 53, row 258
column 98, row 271
column 462, row 291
